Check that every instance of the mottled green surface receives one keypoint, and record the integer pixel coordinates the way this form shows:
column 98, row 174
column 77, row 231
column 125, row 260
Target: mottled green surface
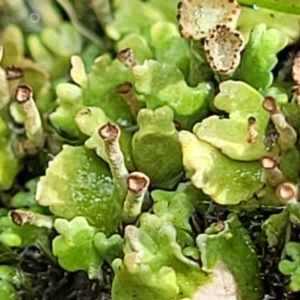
column 234, row 248
column 155, row 147
column 153, row 265
column 226, row 181
column 78, row 183
column 230, row 134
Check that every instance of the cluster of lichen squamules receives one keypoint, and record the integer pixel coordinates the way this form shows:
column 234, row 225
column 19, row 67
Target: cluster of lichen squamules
column 127, row 125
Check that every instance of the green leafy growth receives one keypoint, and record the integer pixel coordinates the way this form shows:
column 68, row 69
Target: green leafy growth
column 289, row 160
column 199, row 69
column 292, row 111
column 25, row 198
column 287, row 24
column 231, row 134
column 10, row 279
column 34, row 74
column 89, row 120
column 159, row 84
column 138, row 44
column 153, row 265
column 155, row 147
column 232, row 246
column 275, row 227
column 101, row 90
column 169, row 47
column 177, row 208
column 12, row 235
column 74, row 246
column 123, row 23
column 98, row 90
column 78, row 183
column 7, row 291
column 168, row 8
column 226, row 181
column 259, row 56
column 109, row 248
column 287, row 6
column 54, row 46
column 69, row 98
column 292, row 267
column 9, row 164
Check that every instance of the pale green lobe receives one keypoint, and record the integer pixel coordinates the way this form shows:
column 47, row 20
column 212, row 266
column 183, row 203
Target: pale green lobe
column 287, row 6
column 109, row 248
column 99, row 89
column 7, row 291
column 291, row 266
column 169, row 47
column 103, row 79
column 9, row 164
column 155, row 147
column 289, row 25
column 177, row 208
column 90, row 120
column 259, row 56
column 275, row 228
column 78, row 183
column 190, row 104
column 74, row 246
column 123, row 23
column 233, row 247
column 292, row 111
column 153, row 265
column 138, row 44
column 226, row 181
column 69, row 98
column 62, row 40
column 231, row 134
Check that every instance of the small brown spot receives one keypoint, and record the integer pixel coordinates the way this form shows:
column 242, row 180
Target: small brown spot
column 23, row 93
column 230, row 19
column 179, row 5
column 231, row 1
column 178, row 17
column 109, row 132
column 233, row 12
column 13, row 72
column 177, row 125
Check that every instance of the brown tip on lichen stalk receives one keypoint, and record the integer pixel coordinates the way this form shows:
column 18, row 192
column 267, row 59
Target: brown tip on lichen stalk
column 18, row 218
column 109, row 132
column 126, row 57
column 125, row 90
column 137, row 185
column 252, row 133
column 296, row 68
column 13, row 73
column 268, row 163
column 273, row 174
column 23, row 93
column 270, row 105
column 137, row 182
column 22, row 217
column 287, row 191
column 287, row 134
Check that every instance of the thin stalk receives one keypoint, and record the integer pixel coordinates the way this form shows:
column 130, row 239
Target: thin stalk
column 137, row 184
column 110, row 134
column 32, row 120
column 22, row 217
